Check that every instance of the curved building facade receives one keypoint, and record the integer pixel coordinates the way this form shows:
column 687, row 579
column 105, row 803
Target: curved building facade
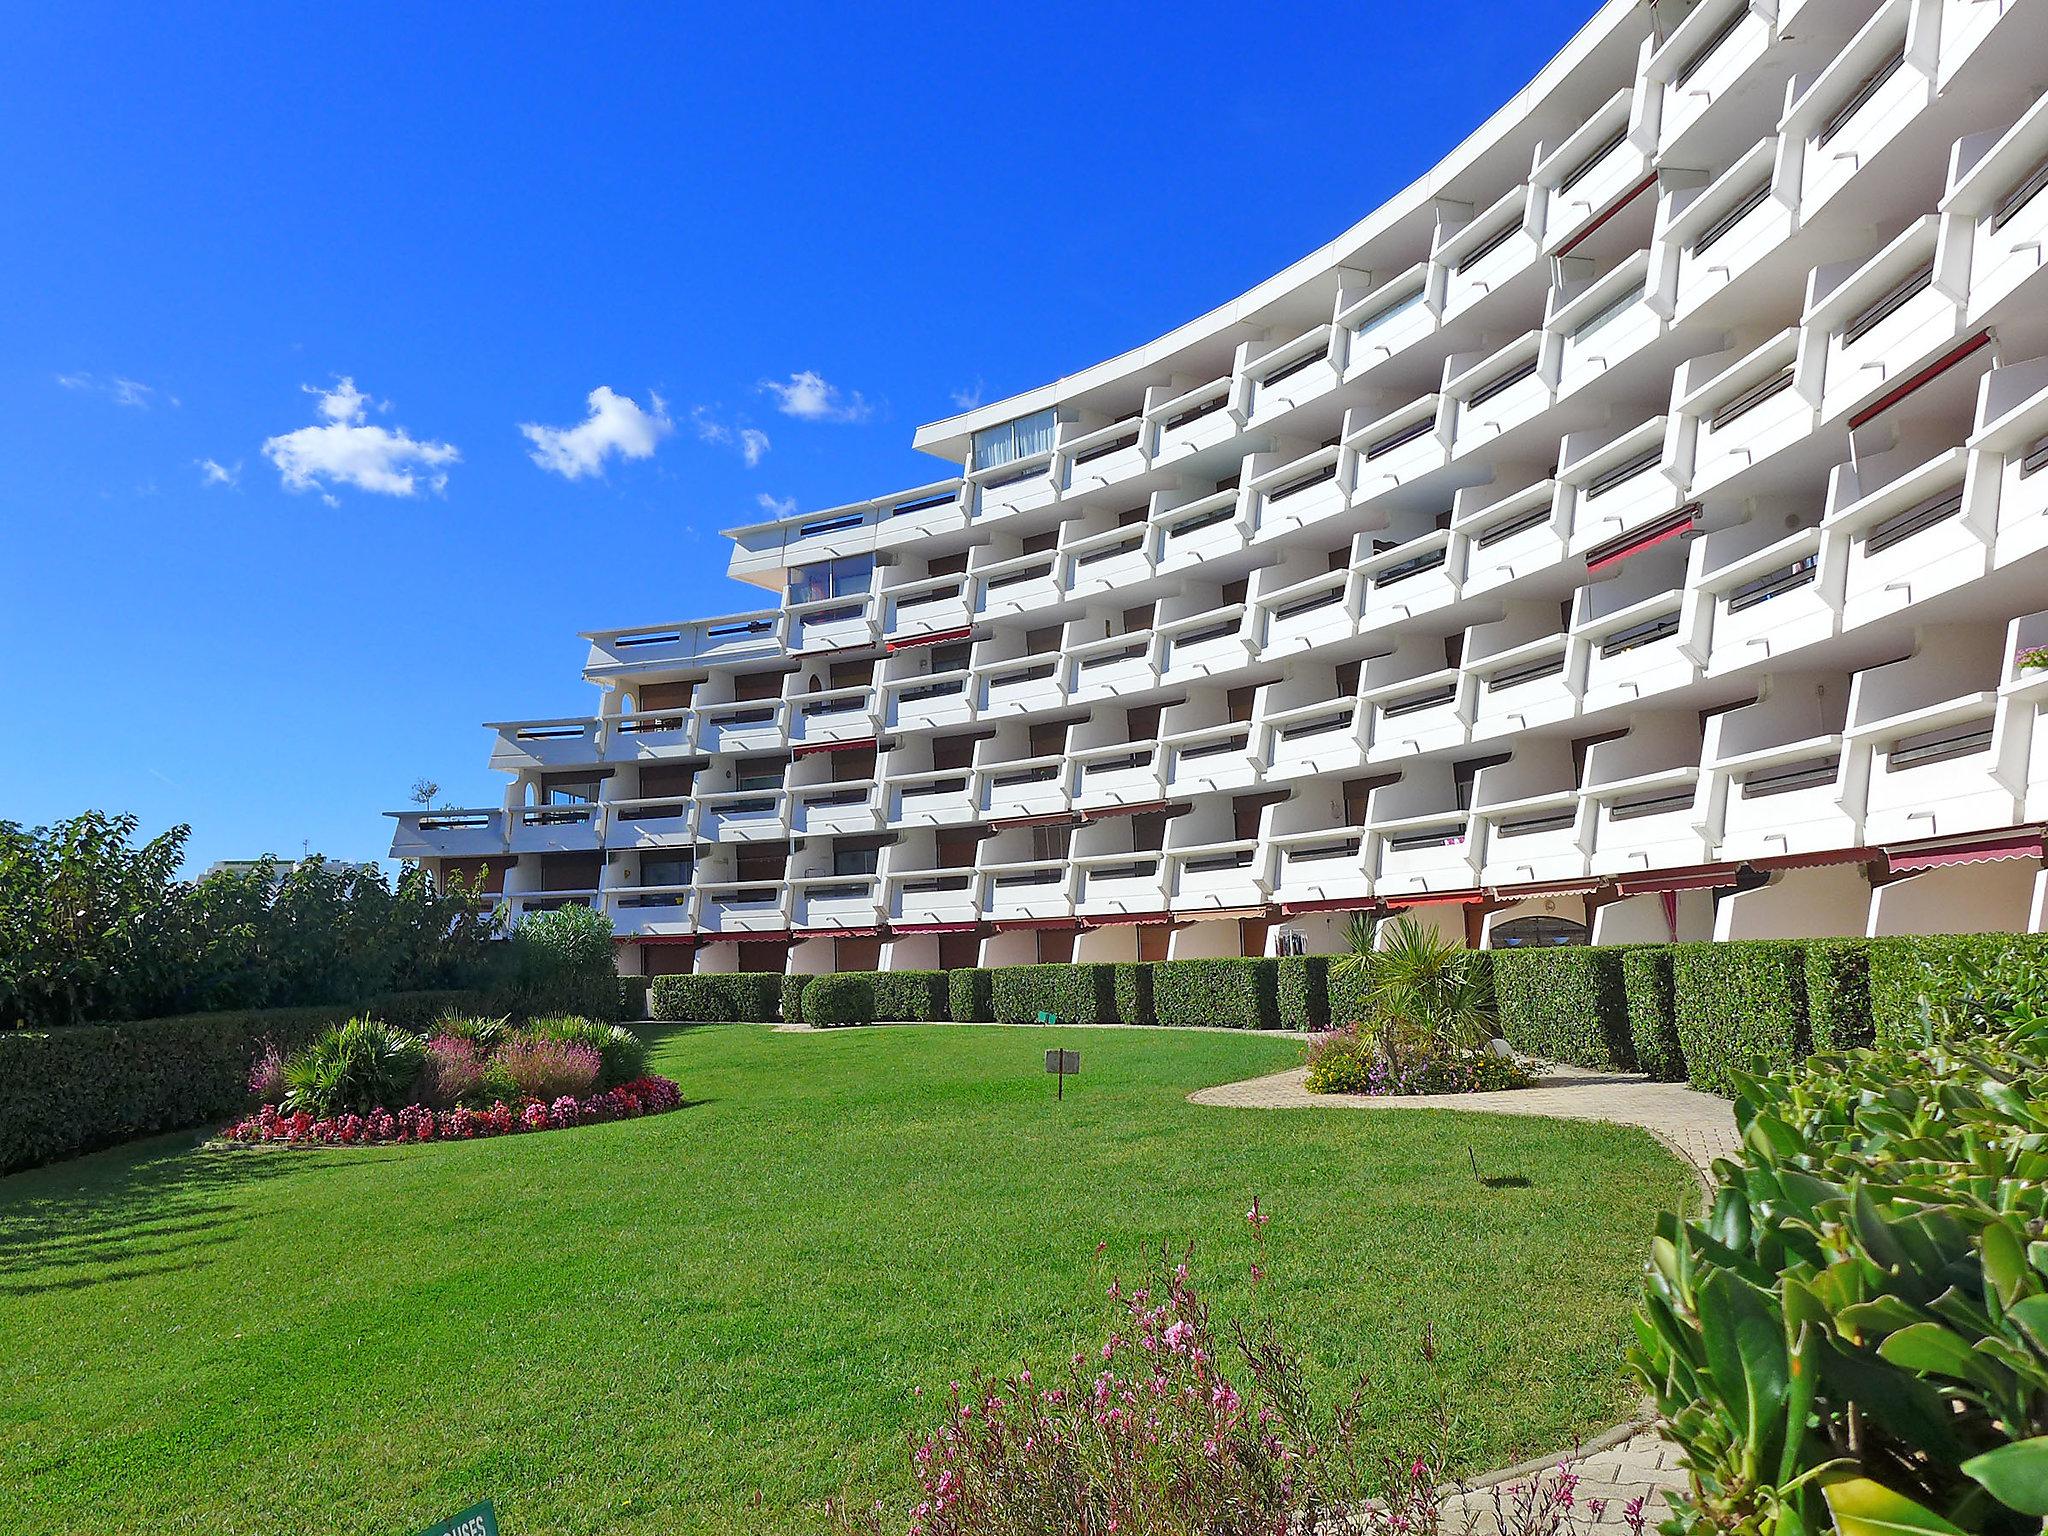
column 1634, row 530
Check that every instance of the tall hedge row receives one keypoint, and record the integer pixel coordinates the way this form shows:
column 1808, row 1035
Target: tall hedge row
column 1077, row 994
column 739, row 997
column 1902, row 969
column 1652, row 1012
column 1565, row 1004
column 1741, row 1008
column 1304, row 984
column 1237, row 994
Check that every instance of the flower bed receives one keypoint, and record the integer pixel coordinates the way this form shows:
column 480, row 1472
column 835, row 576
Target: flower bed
column 1392, row 1060
column 271, row 1125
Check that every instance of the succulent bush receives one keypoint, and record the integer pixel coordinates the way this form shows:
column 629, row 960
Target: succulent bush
column 355, row 1067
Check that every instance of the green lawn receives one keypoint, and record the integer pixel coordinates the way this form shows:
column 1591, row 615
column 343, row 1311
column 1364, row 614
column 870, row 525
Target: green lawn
column 651, row 1325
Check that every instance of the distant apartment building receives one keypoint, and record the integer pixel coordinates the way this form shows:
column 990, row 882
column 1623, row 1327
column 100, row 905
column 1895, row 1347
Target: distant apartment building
column 1633, row 530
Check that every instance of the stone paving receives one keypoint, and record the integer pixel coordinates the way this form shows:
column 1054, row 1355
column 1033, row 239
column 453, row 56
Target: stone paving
column 1631, row 1461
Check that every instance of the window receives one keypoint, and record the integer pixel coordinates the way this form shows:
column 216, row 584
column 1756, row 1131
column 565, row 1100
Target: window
column 577, row 792
column 1536, row 933
column 665, row 871
column 848, row 576
column 1868, row 87
column 852, row 863
column 1013, row 440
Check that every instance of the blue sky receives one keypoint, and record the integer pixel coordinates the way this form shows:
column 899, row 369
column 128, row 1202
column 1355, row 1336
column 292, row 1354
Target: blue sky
column 236, row 593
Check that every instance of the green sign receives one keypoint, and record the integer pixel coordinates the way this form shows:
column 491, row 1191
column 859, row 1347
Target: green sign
column 477, row 1520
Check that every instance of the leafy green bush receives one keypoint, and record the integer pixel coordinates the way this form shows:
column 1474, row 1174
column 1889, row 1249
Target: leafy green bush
column 1350, row 988
column 792, row 998
column 1077, row 994
column 736, row 997
column 1134, row 993
column 967, row 996
column 1566, row 1003
column 1741, row 1007
column 633, row 992
column 357, row 1066
column 1857, row 1334
column 914, row 997
column 620, row 1050
column 834, row 1001
column 1304, row 991
column 1652, row 1015
column 1237, row 994
column 1944, row 968
column 562, row 963
column 1399, row 1058
column 1838, row 993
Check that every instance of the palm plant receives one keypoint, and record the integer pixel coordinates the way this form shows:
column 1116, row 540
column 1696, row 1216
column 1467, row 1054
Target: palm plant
column 355, row 1067
column 1418, row 981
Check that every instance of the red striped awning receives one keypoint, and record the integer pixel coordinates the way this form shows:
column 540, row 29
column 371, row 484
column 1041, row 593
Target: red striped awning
column 1332, row 904
column 835, row 933
column 654, row 938
column 836, row 746
column 1927, row 375
column 1112, row 919
column 1544, row 888
column 1820, row 860
column 1044, row 820
column 936, row 637
column 907, row 930
column 1614, row 551
column 1218, row 914
column 1102, row 812
column 1976, row 850
column 1023, row 924
column 1436, row 899
column 731, row 936
column 1704, row 878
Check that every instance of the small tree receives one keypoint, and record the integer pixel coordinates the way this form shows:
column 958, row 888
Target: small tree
column 1420, row 980
column 422, row 792
column 563, row 963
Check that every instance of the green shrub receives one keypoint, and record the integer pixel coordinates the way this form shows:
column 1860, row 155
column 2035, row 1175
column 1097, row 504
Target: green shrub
column 1236, row 994
column 1652, row 1018
column 358, row 1065
column 1134, row 993
column 1304, row 990
column 1349, row 980
column 1867, row 1297
column 562, row 963
column 1838, row 993
column 1741, row 1007
column 633, row 992
column 1945, row 968
column 913, row 997
column 1400, row 1059
column 831, row 1002
column 968, row 995
column 1077, row 994
column 739, row 997
column 621, row 1052
column 1566, row 1003
column 792, row 998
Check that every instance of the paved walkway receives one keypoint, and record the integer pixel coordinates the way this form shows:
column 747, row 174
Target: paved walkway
column 1631, row 1461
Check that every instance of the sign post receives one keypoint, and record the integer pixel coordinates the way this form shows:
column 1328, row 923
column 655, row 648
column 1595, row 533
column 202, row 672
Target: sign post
column 1063, row 1064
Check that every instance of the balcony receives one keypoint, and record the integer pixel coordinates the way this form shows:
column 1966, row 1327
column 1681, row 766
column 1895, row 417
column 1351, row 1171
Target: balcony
column 1723, row 232
column 1398, row 448
column 1190, row 422
column 1584, row 175
column 649, row 735
column 1884, row 321
column 1745, row 413
column 1108, row 561
column 1784, row 800
column 1022, row 485
column 1642, row 649
column 743, row 906
column 1122, row 773
column 1205, row 645
column 1528, row 685
column 1325, row 865
column 1619, row 487
column 1934, row 772
column 1419, row 854
column 1487, row 254
column 1412, row 578
column 1033, row 786
column 1041, row 889
column 1649, row 821
column 737, row 637
column 832, row 624
column 1497, row 395
column 1116, row 883
column 1419, row 714
column 1703, row 62
column 2014, row 410
column 1859, row 103
column 1023, row 584
column 1022, row 684
column 1610, row 321
column 2000, row 197
column 831, row 810
column 833, row 715
column 933, row 896
column 1769, row 603
column 836, row 901
column 935, row 606
column 743, row 727
column 1217, row 875
column 1298, row 494
column 944, row 798
column 1207, row 528
column 942, row 698
column 1103, row 456
column 1544, row 837
column 1317, row 738
column 1304, row 615
column 1112, row 667
column 1290, row 375
column 448, row 834
column 743, row 816
column 1511, row 538
column 1919, row 536
column 651, row 911
column 650, row 823
column 527, row 744
column 763, row 550
column 1214, row 757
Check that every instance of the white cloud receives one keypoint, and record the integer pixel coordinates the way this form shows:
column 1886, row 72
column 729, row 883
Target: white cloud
column 213, row 472
column 615, row 425
column 133, row 393
column 349, row 449
column 776, row 506
column 753, row 445
column 967, row 399
column 751, row 442
column 809, row 398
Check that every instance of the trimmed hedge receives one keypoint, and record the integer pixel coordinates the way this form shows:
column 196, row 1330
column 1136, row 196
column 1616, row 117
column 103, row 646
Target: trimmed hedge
column 1565, row 1003
column 1838, row 993
column 910, row 997
column 1304, row 986
column 633, row 994
column 1078, row 994
column 70, row 1090
column 791, row 997
column 1134, row 993
column 740, row 997
column 847, row 998
column 1741, row 1008
column 1237, row 994
column 1350, row 987
column 1901, row 970
column 1652, row 1017
column 967, row 996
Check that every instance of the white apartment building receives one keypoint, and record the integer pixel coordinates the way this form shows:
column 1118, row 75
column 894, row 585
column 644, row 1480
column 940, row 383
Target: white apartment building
column 1631, row 531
